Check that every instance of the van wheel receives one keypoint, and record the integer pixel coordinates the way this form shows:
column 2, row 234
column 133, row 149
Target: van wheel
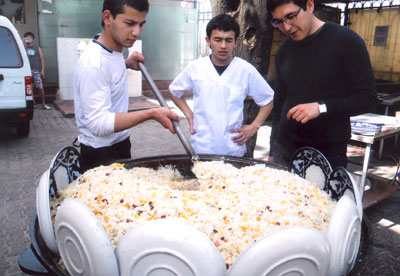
column 23, row 128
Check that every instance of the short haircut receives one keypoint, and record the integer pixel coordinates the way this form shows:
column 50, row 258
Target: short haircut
column 273, row 4
column 30, row 34
column 223, row 22
column 118, row 6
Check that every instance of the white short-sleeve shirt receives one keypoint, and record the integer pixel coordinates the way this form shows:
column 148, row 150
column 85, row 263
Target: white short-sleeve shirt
column 100, row 91
column 218, row 102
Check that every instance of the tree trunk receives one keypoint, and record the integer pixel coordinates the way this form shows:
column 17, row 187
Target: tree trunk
column 256, row 34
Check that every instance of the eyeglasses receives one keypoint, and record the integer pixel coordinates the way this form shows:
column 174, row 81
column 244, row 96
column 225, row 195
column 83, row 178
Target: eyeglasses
column 288, row 19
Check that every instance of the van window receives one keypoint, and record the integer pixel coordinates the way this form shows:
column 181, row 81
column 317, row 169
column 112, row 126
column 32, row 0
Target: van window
column 10, row 55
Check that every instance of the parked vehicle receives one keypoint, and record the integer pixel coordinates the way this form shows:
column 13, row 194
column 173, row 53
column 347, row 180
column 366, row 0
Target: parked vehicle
column 16, row 90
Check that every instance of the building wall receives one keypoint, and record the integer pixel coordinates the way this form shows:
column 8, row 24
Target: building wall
column 169, row 37
column 385, row 59
column 29, row 22
column 68, row 19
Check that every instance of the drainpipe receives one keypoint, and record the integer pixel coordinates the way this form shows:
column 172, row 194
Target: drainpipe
column 37, row 22
column 346, row 14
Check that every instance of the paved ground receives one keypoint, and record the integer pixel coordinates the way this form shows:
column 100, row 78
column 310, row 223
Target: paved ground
column 22, row 161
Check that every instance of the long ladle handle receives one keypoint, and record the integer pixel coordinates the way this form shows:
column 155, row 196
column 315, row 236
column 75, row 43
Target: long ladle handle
column 163, row 103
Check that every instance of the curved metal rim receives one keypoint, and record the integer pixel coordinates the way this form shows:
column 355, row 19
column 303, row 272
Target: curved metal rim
column 203, row 157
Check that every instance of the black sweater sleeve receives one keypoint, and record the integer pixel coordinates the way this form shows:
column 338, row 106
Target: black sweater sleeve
column 360, row 90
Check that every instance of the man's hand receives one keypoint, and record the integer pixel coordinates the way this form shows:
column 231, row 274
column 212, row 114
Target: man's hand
column 245, row 133
column 303, row 112
column 164, row 116
column 132, row 61
column 42, row 74
column 191, row 124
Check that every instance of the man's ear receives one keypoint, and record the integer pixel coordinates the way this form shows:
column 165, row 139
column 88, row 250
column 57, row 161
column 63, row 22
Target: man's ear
column 208, row 41
column 236, row 42
column 310, row 6
column 107, row 17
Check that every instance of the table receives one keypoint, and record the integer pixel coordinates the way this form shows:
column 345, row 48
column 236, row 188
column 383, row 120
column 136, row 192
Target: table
column 389, row 129
column 387, row 99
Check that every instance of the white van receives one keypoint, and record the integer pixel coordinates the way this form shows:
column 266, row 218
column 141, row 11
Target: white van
column 16, row 91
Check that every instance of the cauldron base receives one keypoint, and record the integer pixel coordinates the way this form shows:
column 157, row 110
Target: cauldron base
column 29, row 264
column 38, row 260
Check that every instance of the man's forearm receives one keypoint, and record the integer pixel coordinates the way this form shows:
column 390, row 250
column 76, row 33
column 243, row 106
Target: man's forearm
column 182, row 105
column 130, row 119
column 262, row 115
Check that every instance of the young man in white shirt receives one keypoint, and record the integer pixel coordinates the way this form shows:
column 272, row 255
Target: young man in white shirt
column 101, row 90
column 220, row 83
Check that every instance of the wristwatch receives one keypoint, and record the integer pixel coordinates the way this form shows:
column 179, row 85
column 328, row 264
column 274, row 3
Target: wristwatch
column 322, row 107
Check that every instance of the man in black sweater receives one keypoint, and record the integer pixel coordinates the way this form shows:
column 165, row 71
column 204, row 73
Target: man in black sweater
column 323, row 76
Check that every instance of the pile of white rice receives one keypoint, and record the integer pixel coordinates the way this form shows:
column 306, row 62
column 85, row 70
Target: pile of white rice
column 234, row 207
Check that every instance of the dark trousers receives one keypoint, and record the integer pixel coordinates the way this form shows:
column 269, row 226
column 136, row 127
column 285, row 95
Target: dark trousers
column 94, row 157
column 334, row 152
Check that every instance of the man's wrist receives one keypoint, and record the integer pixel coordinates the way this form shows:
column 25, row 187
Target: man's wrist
column 255, row 125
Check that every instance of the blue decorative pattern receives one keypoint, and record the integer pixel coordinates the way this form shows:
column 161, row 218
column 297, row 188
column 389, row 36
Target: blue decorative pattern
column 336, row 181
column 339, row 182
column 64, row 168
column 307, row 157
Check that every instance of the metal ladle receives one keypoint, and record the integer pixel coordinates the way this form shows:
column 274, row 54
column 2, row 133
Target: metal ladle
column 163, row 103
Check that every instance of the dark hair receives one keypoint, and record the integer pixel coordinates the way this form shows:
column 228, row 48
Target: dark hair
column 223, row 23
column 29, row 33
column 273, row 4
column 118, row 6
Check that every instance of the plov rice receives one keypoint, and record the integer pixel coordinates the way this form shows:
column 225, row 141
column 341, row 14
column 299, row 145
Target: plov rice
column 234, row 207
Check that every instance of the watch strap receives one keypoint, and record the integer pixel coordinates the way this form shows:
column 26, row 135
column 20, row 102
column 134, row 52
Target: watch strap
column 322, row 107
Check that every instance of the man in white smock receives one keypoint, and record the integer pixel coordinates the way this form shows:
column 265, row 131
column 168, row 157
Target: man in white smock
column 220, row 83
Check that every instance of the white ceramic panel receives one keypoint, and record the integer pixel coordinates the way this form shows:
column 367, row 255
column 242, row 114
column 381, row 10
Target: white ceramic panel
column 135, row 77
column 70, row 93
column 68, row 52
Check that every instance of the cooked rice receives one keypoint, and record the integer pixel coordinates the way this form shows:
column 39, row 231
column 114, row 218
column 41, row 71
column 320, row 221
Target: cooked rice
column 234, row 207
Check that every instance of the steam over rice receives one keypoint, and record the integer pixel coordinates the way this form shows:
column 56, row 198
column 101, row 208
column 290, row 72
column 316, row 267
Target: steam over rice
column 234, row 207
